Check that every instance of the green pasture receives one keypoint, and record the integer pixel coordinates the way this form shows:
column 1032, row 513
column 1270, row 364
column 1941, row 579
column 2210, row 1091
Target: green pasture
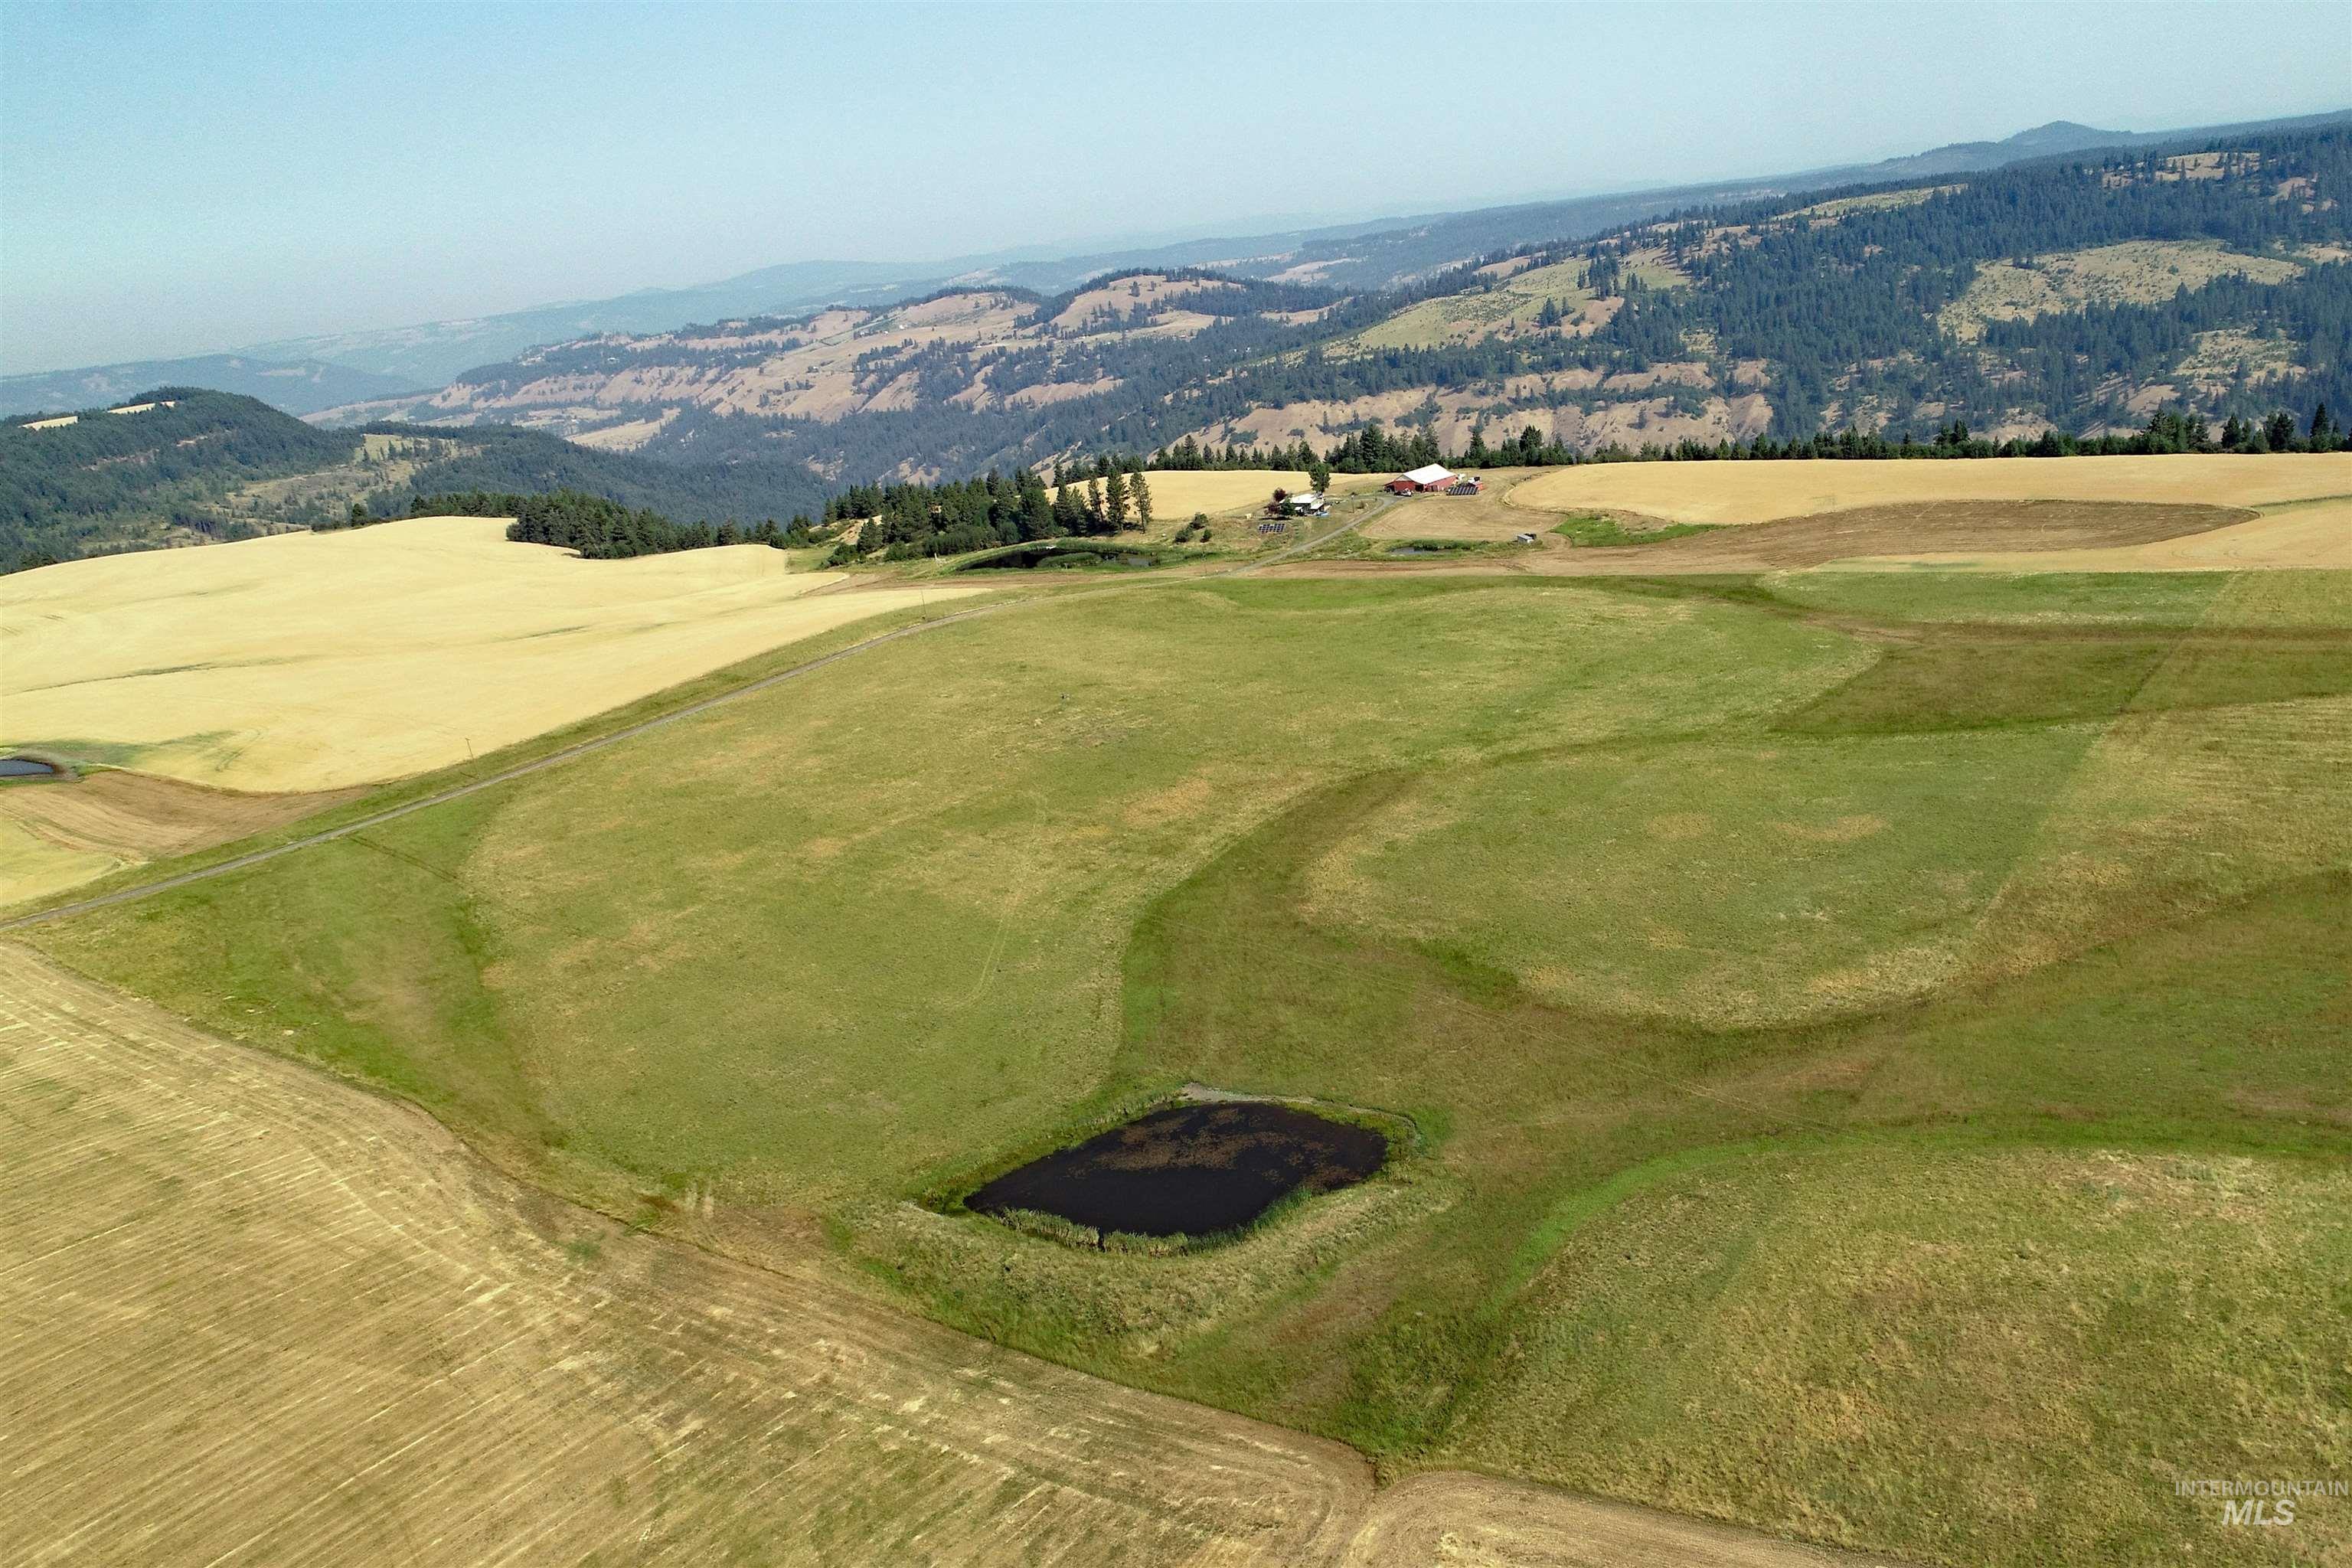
column 1785, row 977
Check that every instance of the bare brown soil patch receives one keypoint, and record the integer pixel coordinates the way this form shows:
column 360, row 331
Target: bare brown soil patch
column 1979, row 529
column 140, row 817
column 1991, row 527
column 55, row 834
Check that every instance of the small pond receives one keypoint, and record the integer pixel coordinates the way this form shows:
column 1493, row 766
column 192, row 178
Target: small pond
column 1068, row 555
column 1190, row 1170
column 25, row 768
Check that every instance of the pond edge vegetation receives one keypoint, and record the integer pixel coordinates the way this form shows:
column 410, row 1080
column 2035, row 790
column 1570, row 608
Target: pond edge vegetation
column 947, row 1197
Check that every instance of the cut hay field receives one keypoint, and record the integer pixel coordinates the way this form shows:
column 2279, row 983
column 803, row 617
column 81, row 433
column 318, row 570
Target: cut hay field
column 2285, row 535
column 350, row 1338
column 318, row 661
column 57, row 834
column 1760, row 492
column 1684, row 918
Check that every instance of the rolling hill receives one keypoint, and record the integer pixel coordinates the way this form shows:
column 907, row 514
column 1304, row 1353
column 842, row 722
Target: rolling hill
column 1375, row 254
column 2082, row 291
column 184, row 466
column 298, row 385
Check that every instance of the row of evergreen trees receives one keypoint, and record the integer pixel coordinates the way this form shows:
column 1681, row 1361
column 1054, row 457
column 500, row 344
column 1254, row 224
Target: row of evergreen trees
column 2166, row 432
column 1373, row 449
column 598, row 528
column 906, row 520
column 603, row 530
column 1111, row 492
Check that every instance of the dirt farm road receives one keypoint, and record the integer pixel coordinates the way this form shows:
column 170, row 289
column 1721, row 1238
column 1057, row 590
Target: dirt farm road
column 252, row 1314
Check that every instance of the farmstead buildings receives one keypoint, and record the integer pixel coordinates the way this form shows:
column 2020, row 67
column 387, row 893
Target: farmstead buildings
column 1432, row 476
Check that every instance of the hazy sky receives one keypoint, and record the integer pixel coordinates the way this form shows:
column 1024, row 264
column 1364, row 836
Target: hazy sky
column 180, row 178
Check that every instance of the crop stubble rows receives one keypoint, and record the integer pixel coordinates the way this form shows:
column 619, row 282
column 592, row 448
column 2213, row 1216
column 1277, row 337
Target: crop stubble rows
column 250, row 1315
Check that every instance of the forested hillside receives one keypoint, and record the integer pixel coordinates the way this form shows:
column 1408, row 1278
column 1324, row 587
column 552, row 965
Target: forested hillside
column 175, row 470
column 2079, row 295
column 1379, row 253
column 197, row 466
column 2082, row 292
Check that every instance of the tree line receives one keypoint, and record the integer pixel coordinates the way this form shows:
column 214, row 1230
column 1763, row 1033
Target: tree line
column 907, row 520
column 599, row 529
column 1372, row 449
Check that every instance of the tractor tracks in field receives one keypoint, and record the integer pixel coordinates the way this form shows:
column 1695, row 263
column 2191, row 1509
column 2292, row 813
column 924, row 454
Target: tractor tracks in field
column 533, row 1381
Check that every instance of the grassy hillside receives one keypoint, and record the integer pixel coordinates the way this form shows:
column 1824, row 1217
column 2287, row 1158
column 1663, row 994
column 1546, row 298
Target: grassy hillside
column 1817, row 998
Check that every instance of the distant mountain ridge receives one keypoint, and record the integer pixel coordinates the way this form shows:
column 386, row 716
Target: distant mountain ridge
column 2077, row 290
column 298, row 385
column 1374, row 254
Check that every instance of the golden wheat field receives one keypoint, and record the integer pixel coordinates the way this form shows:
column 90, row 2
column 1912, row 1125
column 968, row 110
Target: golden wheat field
column 1761, row 492
column 318, row 661
column 2289, row 534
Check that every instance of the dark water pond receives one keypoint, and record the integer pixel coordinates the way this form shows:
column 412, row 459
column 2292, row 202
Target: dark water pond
column 24, row 768
column 1048, row 555
column 1191, row 1170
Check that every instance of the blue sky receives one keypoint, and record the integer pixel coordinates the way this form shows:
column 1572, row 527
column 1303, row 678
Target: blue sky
column 181, row 178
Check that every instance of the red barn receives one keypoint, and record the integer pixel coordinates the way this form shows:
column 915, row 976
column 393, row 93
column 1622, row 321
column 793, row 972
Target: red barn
column 1436, row 476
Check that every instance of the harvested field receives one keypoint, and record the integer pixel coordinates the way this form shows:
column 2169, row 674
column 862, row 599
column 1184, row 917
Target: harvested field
column 64, row 832
column 1599, row 881
column 249, row 1314
column 1995, row 532
column 1792, row 543
column 2293, row 535
column 319, row 661
column 1486, row 517
column 1759, row 492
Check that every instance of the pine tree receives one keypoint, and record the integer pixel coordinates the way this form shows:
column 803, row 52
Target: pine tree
column 1142, row 491
column 1115, row 501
